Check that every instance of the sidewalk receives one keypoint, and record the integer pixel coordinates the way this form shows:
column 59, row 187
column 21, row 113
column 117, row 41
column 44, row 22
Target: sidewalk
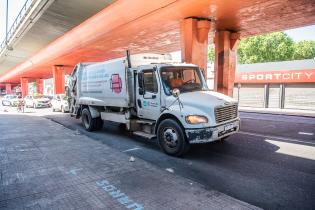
column 44, row 165
column 292, row 112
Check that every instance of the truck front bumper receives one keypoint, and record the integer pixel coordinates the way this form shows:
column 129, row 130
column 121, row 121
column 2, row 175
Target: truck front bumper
column 205, row 135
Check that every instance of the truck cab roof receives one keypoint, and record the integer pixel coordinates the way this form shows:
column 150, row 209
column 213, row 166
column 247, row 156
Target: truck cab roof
column 161, row 65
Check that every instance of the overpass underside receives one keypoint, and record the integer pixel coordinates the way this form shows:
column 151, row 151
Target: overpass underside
column 151, row 26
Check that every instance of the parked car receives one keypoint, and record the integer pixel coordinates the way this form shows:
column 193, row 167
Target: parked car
column 2, row 92
column 36, row 101
column 10, row 100
column 49, row 97
column 60, row 103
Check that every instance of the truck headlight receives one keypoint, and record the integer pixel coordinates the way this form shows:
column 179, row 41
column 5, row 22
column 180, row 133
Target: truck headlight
column 196, row 119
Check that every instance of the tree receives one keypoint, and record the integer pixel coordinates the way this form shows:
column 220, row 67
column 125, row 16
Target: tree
column 266, row 48
column 271, row 47
column 304, row 50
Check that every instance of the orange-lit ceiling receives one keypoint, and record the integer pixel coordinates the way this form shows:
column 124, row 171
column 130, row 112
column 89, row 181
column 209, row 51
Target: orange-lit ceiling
column 153, row 26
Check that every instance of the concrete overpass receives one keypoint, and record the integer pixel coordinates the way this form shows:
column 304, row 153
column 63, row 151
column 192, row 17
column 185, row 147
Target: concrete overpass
column 39, row 23
column 147, row 26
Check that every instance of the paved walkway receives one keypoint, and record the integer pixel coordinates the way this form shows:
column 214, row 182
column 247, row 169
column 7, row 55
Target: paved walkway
column 44, row 165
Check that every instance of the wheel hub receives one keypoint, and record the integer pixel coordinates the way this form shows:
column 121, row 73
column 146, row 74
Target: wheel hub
column 170, row 137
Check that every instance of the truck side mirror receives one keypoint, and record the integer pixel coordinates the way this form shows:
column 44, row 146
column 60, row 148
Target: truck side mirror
column 141, row 83
column 175, row 92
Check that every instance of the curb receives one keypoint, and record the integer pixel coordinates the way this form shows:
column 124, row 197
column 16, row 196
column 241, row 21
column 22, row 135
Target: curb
column 280, row 112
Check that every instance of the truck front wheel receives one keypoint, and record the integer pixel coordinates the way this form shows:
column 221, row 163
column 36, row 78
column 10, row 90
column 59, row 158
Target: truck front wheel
column 89, row 123
column 171, row 138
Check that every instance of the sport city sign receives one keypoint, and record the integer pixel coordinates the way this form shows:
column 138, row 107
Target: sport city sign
column 290, row 76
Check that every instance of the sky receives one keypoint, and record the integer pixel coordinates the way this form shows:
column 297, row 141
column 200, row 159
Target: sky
column 14, row 8
column 304, row 33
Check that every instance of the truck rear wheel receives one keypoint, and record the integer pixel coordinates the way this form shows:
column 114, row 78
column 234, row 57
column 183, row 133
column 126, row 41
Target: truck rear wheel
column 89, row 123
column 171, row 138
column 99, row 123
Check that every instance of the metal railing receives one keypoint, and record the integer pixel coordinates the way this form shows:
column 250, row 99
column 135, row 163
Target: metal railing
column 15, row 24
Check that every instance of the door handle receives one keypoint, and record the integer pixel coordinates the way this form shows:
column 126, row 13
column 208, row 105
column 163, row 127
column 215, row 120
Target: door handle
column 139, row 103
column 150, row 97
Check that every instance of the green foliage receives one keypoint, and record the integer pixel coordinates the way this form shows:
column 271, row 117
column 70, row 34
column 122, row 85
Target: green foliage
column 271, row 47
column 266, row 48
column 304, row 50
column 211, row 53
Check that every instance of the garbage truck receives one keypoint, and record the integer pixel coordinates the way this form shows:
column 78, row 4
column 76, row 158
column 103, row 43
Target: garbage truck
column 153, row 97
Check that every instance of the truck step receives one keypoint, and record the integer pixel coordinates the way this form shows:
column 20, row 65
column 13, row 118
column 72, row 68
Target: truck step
column 144, row 134
column 149, row 122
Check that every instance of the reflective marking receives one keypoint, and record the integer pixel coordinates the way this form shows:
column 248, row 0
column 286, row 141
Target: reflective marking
column 128, row 150
column 305, row 133
column 276, row 137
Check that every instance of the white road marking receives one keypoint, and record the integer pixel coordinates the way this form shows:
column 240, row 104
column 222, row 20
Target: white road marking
column 305, row 133
column 297, row 150
column 170, row 170
column 132, row 149
column 276, row 137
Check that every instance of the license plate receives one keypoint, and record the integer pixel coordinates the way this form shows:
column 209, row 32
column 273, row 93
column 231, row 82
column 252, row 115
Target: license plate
column 228, row 127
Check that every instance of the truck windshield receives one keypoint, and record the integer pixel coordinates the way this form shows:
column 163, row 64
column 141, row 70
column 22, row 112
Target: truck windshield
column 186, row 79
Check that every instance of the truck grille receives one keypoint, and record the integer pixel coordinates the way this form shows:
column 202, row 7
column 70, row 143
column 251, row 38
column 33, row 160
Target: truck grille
column 225, row 113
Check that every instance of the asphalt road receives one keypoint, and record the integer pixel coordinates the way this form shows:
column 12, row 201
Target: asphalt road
column 270, row 163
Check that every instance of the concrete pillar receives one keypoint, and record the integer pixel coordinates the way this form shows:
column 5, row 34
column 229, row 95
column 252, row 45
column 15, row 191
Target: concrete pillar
column 40, row 86
column 8, row 88
column 225, row 61
column 59, row 79
column 24, row 86
column 194, row 41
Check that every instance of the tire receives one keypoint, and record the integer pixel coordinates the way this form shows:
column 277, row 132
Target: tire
column 34, row 106
column 99, row 123
column 62, row 109
column 171, row 138
column 89, row 123
column 52, row 109
column 3, row 104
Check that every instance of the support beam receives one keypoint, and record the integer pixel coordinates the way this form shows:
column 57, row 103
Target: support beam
column 40, row 86
column 225, row 61
column 8, row 88
column 194, row 41
column 24, row 86
column 59, row 79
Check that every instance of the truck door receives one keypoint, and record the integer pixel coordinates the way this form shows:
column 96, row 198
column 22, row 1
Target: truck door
column 148, row 94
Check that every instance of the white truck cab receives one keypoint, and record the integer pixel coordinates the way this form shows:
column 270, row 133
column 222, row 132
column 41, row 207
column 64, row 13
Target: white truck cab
column 163, row 100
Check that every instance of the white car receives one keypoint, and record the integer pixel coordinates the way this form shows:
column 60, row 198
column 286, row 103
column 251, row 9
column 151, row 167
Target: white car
column 10, row 100
column 60, row 103
column 36, row 101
